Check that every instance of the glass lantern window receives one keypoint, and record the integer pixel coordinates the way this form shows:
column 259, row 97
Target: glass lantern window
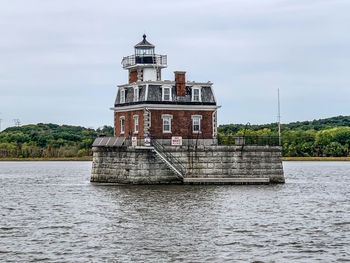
column 144, row 51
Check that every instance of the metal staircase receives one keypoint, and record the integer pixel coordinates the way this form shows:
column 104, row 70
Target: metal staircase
column 166, row 157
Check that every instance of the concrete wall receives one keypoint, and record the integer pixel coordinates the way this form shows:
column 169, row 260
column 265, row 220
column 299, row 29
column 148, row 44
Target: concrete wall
column 128, row 165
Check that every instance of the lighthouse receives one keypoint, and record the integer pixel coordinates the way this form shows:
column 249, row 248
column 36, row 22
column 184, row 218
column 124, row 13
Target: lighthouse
column 166, row 133
column 148, row 106
column 144, row 65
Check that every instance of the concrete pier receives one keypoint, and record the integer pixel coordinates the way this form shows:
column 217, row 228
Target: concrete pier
column 130, row 165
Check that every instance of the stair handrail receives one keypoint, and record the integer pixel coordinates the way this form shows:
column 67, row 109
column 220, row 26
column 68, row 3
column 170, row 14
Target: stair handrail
column 170, row 158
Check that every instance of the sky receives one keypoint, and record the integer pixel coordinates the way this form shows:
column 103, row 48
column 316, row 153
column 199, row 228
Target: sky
column 60, row 59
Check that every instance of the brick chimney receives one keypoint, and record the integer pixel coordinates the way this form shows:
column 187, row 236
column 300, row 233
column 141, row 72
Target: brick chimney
column 180, row 81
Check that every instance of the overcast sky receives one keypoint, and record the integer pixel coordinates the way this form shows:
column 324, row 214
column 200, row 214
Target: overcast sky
column 60, row 59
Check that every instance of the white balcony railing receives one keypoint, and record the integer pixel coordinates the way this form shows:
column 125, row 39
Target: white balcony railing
column 156, row 60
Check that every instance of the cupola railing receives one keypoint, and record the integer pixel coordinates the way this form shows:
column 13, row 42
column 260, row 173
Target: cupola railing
column 156, row 60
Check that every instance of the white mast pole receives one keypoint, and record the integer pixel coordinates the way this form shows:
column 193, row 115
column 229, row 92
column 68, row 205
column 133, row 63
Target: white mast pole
column 279, row 118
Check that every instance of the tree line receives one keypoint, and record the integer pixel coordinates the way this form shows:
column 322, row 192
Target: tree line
column 317, row 138
column 49, row 141
column 325, row 137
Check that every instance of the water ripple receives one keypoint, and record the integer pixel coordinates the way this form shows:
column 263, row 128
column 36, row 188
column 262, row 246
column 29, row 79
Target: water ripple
column 51, row 213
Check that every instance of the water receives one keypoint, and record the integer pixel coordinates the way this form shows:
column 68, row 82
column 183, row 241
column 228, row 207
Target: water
column 50, row 212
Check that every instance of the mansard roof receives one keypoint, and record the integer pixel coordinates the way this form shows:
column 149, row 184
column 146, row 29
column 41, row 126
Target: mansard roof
column 153, row 95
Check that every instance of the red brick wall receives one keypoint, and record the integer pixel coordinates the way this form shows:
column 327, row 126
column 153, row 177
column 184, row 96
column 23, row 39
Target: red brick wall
column 180, row 81
column 181, row 124
column 132, row 76
column 129, row 123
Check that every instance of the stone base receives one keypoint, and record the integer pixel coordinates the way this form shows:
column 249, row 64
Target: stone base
column 129, row 165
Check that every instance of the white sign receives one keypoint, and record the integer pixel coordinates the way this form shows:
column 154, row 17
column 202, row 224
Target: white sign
column 134, row 141
column 176, row 141
column 147, row 141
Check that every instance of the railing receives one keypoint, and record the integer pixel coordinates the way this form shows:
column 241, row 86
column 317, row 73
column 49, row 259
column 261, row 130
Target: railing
column 158, row 60
column 248, row 140
column 220, row 140
column 168, row 156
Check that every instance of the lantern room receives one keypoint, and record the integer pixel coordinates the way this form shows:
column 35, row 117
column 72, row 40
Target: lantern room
column 144, row 65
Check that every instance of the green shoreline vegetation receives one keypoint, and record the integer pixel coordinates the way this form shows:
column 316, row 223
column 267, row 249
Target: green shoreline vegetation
column 89, row 159
column 41, row 159
column 308, row 140
column 49, row 141
column 319, row 138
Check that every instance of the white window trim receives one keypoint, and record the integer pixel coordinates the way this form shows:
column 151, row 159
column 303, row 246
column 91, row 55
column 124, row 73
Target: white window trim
column 197, row 117
column 166, row 116
column 170, row 91
column 215, row 129
column 150, row 119
column 122, row 118
column 136, row 90
column 122, row 98
column 136, row 117
column 200, row 93
column 146, row 92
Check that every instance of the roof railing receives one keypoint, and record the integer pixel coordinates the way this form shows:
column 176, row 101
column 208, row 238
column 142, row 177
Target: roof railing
column 157, row 60
column 248, row 140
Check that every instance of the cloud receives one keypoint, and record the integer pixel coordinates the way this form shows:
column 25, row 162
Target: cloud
column 60, row 60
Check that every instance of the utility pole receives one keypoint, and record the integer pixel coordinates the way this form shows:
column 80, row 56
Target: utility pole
column 0, row 124
column 279, row 118
column 17, row 122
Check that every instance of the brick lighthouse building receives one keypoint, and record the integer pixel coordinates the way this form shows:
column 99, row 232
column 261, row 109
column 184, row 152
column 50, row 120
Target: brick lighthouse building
column 149, row 107
column 166, row 133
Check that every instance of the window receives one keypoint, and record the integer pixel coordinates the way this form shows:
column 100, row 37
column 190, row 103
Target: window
column 136, row 94
column 166, row 96
column 196, row 123
column 136, row 124
column 196, row 94
column 144, row 51
column 167, row 123
column 122, row 125
column 122, row 96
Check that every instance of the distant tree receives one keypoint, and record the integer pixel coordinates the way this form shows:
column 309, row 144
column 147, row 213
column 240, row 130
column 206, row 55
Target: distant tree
column 326, row 137
column 106, row 131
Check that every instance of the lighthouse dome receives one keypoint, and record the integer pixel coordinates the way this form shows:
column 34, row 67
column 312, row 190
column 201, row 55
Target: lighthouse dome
column 144, row 47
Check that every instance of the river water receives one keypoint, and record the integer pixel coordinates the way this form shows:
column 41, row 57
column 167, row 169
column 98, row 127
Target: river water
column 50, row 212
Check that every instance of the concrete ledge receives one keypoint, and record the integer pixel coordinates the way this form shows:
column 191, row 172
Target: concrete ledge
column 144, row 147
column 241, row 180
column 204, row 165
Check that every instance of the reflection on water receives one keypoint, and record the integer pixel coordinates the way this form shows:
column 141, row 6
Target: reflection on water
column 51, row 212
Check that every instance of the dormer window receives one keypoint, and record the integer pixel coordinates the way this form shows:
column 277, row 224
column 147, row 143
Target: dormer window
column 166, row 93
column 136, row 94
column 196, row 94
column 122, row 96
